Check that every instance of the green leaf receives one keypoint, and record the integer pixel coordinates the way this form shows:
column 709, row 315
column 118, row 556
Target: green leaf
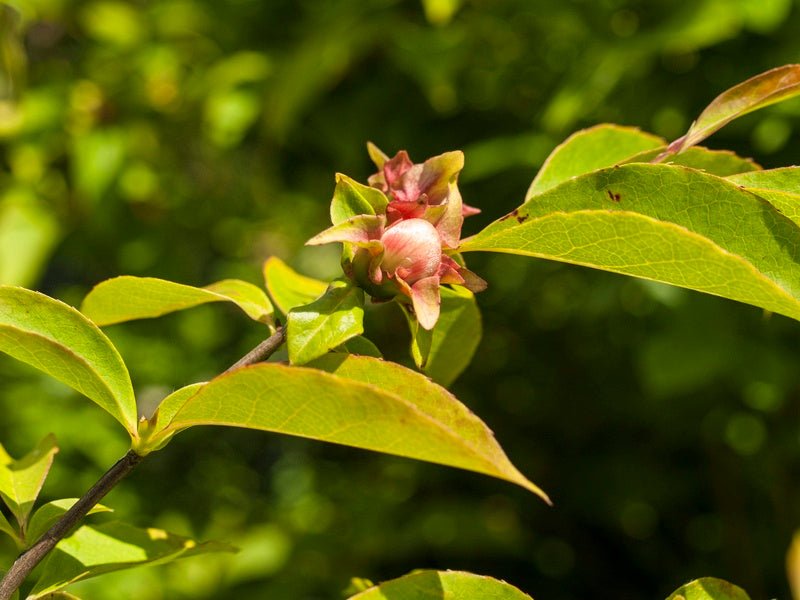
column 793, row 565
column 663, row 223
column 314, row 329
column 447, row 350
column 442, row 585
column 362, row 402
column 60, row 341
column 351, row 199
column 716, row 162
column 47, row 514
column 95, row 550
column 22, row 480
column 288, row 288
column 5, row 527
column 128, row 298
column 779, row 187
column 588, row 150
column 361, row 346
column 709, row 588
column 168, row 407
column 786, row 179
column 757, row 92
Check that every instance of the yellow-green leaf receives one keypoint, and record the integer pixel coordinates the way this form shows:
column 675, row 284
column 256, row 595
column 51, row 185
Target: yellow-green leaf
column 95, row 550
column 665, row 223
column 351, row 198
column 128, row 298
column 716, row 162
column 331, row 320
column 779, row 187
column 288, row 288
column 47, row 514
column 709, row 588
column 21, row 480
column 793, row 566
column 591, row 149
column 60, row 341
column 362, row 402
column 442, row 585
column 444, row 352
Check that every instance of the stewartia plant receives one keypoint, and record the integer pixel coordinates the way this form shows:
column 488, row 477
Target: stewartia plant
column 398, row 247
column 610, row 197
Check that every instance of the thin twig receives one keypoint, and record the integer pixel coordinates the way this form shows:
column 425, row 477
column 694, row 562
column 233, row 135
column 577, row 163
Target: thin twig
column 34, row 555
column 28, row 560
column 261, row 352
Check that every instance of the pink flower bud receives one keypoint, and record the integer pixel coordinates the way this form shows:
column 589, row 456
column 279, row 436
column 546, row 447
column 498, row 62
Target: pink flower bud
column 412, row 250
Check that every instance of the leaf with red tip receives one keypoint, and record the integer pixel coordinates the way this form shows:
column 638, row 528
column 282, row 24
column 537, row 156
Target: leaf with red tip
column 757, row 92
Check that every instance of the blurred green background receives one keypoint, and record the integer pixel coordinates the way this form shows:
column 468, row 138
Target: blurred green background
column 191, row 140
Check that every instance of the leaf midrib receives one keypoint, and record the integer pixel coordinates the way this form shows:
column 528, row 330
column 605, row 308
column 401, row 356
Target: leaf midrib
column 629, row 214
column 449, row 432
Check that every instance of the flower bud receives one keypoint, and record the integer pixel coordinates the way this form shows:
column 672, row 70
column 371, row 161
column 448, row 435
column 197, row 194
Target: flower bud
column 412, row 250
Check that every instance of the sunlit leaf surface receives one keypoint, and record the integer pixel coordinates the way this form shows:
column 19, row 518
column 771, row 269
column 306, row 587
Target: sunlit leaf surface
column 363, row 402
column 664, row 223
column 128, row 298
column 709, row 588
column 442, row 585
column 58, row 340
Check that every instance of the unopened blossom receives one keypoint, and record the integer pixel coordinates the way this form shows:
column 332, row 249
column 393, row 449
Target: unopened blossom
column 403, row 260
column 426, row 190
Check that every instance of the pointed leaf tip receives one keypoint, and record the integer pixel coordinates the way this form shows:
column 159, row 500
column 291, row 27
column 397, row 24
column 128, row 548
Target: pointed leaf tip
column 55, row 338
column 129, row 298
column 770, row 87
column 355, row 401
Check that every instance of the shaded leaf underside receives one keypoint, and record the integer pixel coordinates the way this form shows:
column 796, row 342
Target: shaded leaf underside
column 362, row 402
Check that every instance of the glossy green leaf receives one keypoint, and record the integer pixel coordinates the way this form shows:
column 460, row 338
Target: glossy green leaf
column 442, row 585
column 591, row 149
column 351, row 198
column 129, row 298
column 779, row 187
column 757, row 92
column 663, row 223
column 709, row 588
column 716, row 162
column 95, row 550
column 361, row 346
column 447, row 350
column 288, row 288
column 161, row 418
column 316, row 328
column 46, row 515
column 363, row 402
column 786, row 179
column 60, row 341
column 21, row 480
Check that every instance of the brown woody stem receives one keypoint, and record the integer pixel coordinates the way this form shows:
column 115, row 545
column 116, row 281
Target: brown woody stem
column 28, row 560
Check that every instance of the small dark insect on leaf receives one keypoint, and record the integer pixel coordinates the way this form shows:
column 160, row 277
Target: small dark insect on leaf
column 613, row 197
